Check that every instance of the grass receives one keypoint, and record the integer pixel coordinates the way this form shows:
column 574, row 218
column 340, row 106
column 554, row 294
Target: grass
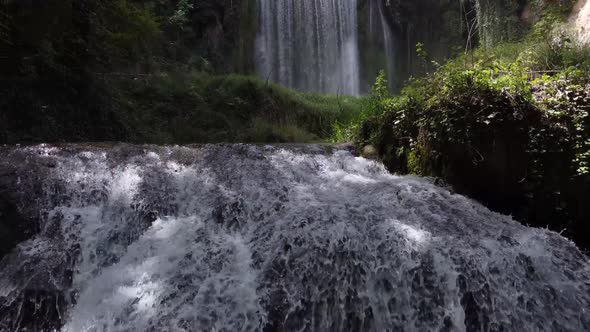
column 197, row 107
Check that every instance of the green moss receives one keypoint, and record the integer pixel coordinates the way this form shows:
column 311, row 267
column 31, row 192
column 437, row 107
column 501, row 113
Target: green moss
column 413, row 162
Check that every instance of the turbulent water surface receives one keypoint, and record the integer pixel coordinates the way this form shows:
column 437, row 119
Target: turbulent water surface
column 252, row 238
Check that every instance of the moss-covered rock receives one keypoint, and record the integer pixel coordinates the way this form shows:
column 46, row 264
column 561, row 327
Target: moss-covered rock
column 501, row 21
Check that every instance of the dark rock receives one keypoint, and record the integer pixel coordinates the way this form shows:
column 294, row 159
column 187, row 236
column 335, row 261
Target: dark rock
column 150, row 217
column 370, row 152
column 34, row 310
column 348, row 147
column 14, row 227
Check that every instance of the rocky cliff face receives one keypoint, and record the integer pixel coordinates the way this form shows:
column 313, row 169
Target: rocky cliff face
column 227, row 31
column 448, row 27
column 224, row 32
column 502, row 20
column 439, row 25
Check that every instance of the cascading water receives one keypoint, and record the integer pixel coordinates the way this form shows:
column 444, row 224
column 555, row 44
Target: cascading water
column 313, row 45
column 382, row 36
column 309, row 44
column 252, row 238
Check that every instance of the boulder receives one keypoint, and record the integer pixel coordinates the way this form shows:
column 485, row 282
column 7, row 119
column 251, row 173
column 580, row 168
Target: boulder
column 370, row 152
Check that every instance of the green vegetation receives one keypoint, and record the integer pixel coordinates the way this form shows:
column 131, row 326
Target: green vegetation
column 148, row 71
column 176, row 107
column 508, row 125
column 199, row 107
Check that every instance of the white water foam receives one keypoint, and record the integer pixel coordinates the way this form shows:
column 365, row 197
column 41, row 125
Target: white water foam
column 247, row 238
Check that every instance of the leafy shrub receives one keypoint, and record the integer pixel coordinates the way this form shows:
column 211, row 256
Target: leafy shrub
column 507, row 125
column 180, row 107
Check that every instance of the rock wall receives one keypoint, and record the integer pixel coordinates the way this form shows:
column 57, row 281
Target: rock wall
column 501, row 20
column 224, row 33
column 439, row 25
column 580, row 20
column 448, row 27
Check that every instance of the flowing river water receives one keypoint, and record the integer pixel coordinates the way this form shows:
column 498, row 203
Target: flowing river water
column 270, row 238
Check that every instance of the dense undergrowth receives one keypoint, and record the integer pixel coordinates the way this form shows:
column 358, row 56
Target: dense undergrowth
column 198, row 107
column 173, row 107
column 507, row 125
column 145, row 72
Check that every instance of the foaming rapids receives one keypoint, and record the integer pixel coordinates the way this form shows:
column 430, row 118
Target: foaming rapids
column 262, row 238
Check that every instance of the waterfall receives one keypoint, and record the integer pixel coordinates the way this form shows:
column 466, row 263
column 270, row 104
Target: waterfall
column 313, row 45
column 309, row 44
column 252, row 238
column 382, row 37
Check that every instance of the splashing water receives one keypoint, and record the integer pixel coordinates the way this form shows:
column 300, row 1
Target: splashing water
column 580, row 21
column 297, row 238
